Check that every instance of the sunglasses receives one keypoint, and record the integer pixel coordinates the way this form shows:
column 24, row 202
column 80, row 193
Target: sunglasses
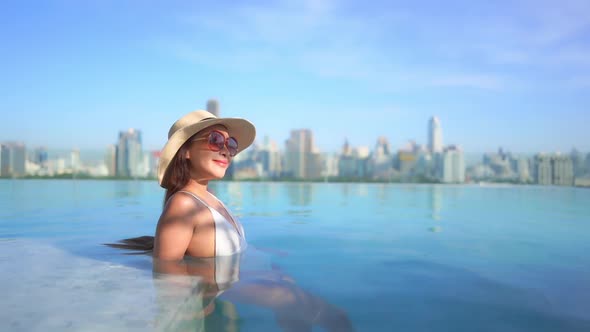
column 217, row 141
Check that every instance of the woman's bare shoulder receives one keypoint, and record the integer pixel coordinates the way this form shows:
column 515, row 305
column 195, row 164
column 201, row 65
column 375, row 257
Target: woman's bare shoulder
column 182, row 207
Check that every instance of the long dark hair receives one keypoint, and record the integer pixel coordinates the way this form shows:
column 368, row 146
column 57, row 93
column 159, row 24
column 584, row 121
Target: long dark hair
column 178, row 173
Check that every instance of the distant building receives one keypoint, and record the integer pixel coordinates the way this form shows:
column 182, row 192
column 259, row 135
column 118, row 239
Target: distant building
column 110, row 160
column 154, row 159
column 4, row 160
column 453, row 165
column 12, row 159
column 129, row 154
column 435, row 139
column 330, row 165
column 40, row 156
column 213, row 107
column 554, row 170
column 302, row 160
column 543, row 170
column 381, row 160
column 563, row 171
column 578, row 162
column 522, row 166
column 270, row 158
column 75, row 160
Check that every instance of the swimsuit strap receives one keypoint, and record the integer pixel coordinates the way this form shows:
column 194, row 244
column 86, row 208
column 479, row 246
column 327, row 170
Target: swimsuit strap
column 196, row 197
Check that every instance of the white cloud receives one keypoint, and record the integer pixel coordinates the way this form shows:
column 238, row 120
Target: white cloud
column 398, row 47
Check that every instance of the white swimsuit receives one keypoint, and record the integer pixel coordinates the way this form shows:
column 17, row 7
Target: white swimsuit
column 229, row 240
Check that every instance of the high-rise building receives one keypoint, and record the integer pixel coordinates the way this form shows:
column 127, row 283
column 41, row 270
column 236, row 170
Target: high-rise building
column 4, row 160
column 75, row 160
column 213, row 107
column 543, row 170
column 110, row 160
column 270, row 158
column 522, row 168
column 381, row 161
column 301, row 158
column 563, row 170
column 12, row 159
column 129, row 154
column 453, row 165
column 435, row 140
column 578, row 163
column 554, row 170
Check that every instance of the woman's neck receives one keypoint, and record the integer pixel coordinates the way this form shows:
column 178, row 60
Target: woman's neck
column 197, row 186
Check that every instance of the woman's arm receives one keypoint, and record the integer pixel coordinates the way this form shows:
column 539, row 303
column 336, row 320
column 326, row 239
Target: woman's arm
column 180, row 219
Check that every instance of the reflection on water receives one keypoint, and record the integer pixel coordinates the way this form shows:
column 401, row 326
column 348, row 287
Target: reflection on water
column 435, row 195
column 300, row 194
column 204, row 294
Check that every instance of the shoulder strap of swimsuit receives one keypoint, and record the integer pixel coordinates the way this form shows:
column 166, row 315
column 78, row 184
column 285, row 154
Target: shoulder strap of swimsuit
column 195, row 196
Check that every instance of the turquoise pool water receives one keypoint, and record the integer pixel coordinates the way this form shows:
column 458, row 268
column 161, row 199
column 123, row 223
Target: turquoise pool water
column 364, row 257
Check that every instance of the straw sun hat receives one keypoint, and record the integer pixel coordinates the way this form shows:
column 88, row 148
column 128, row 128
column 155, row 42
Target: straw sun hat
column 242, row 130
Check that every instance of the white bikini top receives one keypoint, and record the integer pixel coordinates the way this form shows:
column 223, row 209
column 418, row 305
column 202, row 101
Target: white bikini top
column 229, row 239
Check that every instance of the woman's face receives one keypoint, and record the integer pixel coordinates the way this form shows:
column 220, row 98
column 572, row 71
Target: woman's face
column 207, row 164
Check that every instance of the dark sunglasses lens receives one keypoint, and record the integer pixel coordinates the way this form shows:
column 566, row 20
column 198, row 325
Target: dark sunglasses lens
column 216, row 141
column 232, row 146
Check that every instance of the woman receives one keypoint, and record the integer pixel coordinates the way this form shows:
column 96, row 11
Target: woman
column 195, row 224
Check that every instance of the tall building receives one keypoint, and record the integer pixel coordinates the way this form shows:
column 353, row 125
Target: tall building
column 578, row 163
column 301, row 158
column 129, row 154
column 453, row 165
column 347, row 164
column 381, row 161
column 270, row 158
column 554, row 170
column 435, row 140
column 543, row 170
column 563, row 171
column 4, row 160
column 522, row 168
column 75, row 160
column 110, row 160
column 213, row 107
column 12, row 159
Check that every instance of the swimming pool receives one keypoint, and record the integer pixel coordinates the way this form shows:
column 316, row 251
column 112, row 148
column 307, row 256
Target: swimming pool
column 368, row 257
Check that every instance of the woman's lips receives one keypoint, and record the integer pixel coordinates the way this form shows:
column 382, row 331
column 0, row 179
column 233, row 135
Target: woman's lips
column 221, row 163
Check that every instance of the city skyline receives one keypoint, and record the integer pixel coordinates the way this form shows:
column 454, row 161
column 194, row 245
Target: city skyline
column 518, row 77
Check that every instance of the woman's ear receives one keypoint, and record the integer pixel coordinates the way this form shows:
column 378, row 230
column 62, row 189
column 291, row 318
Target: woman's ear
column 187, row 154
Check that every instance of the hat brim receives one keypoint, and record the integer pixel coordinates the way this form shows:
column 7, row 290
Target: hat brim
column 241, row 129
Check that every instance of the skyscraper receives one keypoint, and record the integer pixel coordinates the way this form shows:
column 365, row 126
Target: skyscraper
column 213, row 107
column 302, row 161
column 4, row 160
column 543, row 170
column 110, row 159
column 129, row 154
column 435, row 140
column 75, row 160
column 453, row 165
column 270, row 158
column 12, row 159
column 563, row 170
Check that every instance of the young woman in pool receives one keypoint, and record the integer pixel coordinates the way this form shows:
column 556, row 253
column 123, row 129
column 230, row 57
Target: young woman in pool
column 195, row 224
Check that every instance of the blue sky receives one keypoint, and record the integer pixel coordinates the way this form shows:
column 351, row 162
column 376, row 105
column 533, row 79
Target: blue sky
column 514, row 74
